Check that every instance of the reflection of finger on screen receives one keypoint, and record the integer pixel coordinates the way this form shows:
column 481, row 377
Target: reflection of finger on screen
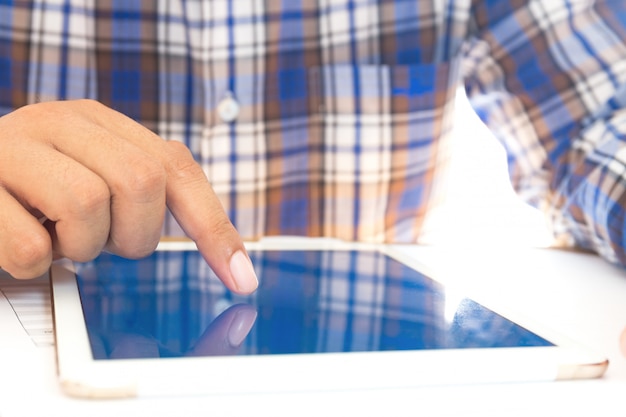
column 227, row 332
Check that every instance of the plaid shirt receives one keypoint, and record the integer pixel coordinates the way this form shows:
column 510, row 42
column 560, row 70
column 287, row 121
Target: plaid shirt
column 344, row 105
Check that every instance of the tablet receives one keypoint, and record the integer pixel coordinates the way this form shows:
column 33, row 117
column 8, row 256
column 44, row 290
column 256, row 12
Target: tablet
column 327, row 316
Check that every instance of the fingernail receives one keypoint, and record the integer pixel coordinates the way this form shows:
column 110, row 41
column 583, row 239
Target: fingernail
column 241, row 326
column 243, row 273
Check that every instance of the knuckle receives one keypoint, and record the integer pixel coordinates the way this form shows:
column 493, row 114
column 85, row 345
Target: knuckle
column 88, row 102
column 24, row 115
column 84, row 105
column 147, row 178
column 30, row 255
column 91, row 109
column 180, row 163
column 53, row 110
column 88, row 196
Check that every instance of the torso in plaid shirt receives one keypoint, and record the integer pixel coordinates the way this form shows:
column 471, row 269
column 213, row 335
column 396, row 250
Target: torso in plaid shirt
column 329, row 117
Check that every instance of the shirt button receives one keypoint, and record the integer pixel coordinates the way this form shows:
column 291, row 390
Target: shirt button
column 228, row 108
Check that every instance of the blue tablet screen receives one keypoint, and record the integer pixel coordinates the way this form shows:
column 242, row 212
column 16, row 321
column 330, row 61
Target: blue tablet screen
column 171, row 304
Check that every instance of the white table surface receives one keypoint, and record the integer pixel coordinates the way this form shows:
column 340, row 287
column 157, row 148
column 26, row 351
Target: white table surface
column 579, row 294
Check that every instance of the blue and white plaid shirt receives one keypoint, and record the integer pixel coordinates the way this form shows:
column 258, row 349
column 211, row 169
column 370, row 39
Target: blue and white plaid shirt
column 339, row 109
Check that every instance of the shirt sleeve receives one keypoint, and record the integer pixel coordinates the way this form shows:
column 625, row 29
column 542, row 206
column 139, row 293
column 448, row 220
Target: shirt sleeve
column 549, row 79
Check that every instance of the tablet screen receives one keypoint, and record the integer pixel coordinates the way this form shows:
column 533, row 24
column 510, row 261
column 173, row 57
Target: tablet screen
column 309, row 301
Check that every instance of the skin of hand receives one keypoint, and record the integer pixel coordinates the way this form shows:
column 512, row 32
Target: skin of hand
column 77, row 177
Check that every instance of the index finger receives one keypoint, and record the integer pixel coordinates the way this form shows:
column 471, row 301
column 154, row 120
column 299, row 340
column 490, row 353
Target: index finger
column 199, row 212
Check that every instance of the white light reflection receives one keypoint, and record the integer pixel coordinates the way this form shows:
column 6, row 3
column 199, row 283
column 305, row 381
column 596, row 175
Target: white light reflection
column 453, row 299
column 480, row 206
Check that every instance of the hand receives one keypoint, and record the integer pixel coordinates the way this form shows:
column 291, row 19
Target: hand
column 77, row 177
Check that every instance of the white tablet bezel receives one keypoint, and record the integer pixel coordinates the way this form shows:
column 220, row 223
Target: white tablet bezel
column 82, row 376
